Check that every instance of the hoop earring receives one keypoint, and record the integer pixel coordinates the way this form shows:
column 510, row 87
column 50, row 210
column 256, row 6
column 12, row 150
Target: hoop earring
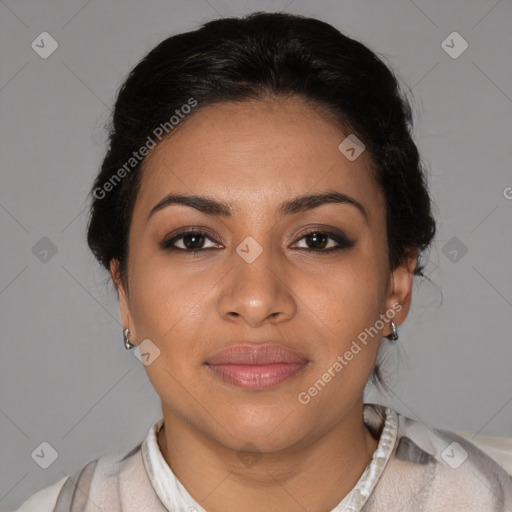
column 126, row 335
column 394, row 332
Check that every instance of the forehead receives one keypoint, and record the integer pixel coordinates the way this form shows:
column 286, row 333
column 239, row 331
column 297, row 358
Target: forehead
column 255, row 152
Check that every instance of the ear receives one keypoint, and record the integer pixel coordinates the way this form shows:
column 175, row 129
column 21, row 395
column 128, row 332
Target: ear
column 400, row 287
column 123, row 297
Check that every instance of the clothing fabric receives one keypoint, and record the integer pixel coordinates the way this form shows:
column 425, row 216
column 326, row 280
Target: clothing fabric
column 414, row 468
column 498, row 448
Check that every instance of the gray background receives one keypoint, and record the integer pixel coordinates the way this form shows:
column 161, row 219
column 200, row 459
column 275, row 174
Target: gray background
column 65, row 375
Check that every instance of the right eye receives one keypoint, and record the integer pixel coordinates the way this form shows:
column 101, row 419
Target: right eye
column 192, row 241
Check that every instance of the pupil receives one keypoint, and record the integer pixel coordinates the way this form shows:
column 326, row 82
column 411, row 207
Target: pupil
column 194, row 237
column 316, row 237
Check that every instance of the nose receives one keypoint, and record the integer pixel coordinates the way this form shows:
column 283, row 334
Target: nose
column 257, row 292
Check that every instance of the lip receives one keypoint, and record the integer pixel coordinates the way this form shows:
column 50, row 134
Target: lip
column 256, row 366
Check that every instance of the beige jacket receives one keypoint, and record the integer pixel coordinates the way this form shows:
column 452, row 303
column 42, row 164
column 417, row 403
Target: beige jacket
column 414, row 468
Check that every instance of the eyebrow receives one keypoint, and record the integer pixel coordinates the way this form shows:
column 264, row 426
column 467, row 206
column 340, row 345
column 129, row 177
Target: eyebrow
column 298, row 204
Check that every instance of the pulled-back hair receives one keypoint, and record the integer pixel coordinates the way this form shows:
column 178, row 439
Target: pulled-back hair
column 256, row 57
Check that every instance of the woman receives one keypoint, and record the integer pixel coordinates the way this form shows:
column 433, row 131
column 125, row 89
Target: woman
column 262, row 211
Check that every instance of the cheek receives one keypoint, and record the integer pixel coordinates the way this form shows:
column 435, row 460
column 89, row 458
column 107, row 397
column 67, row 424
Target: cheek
column 356, row 305
column 173, row 307
column 344, row 307
column 168, row 308
column 160, row 297
column 347, row 296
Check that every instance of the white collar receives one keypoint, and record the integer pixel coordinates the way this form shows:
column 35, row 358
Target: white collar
column 175, row 497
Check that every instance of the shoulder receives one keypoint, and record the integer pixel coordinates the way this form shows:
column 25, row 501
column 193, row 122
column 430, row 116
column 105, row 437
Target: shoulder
column 498, row 448
column 43, row 500
column 97, row 477
column 458, row 468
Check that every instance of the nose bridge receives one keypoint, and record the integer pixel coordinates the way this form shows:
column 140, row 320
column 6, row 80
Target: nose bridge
column 256, row 288
column 256, row 261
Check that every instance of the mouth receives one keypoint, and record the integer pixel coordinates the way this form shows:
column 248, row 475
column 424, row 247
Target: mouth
column 256, row 367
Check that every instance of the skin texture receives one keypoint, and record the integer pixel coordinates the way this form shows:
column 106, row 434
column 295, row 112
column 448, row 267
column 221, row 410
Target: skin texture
column 254, row 156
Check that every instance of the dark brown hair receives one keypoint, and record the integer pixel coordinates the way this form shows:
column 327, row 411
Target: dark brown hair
column 254, row 57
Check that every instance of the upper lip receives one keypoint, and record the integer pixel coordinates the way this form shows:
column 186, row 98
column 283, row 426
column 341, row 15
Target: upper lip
column 255, row 354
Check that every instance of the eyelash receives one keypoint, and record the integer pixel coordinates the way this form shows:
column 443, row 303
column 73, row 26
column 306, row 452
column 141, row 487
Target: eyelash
column 344, row 243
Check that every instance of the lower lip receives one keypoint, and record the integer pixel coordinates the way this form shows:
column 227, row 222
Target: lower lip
column 256, row 376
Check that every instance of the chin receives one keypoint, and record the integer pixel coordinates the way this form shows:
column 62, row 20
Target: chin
column 270, row 430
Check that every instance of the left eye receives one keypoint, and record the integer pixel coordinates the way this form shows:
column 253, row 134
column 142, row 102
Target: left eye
column 320, row 241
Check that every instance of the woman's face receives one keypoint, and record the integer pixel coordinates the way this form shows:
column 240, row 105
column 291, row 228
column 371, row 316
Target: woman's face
column 260, row 279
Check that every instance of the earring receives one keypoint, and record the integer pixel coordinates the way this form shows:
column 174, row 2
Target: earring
column 394, row 332
column 126, row 335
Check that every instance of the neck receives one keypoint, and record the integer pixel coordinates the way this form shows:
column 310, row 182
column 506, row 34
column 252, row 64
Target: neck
column 316, row 475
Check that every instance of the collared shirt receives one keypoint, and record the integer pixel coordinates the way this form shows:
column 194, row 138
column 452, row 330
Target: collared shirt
column 414, row 468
